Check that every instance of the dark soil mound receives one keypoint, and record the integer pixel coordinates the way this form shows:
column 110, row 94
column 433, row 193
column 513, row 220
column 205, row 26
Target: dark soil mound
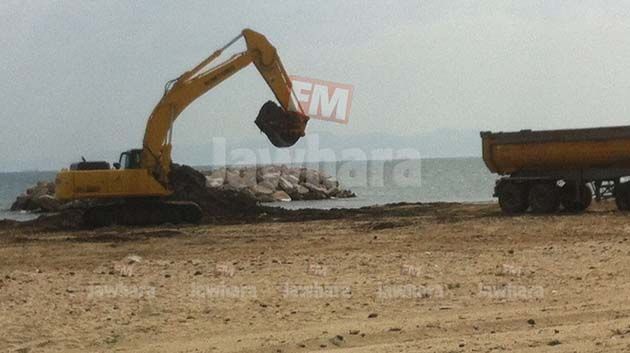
column 190, row 185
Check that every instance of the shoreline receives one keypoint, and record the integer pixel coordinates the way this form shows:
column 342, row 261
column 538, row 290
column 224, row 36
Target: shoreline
column 33, row 218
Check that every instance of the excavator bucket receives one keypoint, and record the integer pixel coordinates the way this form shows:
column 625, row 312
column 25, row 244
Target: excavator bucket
column 283, row 128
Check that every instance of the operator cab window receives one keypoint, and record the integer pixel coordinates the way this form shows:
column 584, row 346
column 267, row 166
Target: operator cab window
column 129, row 160
column 124, row 159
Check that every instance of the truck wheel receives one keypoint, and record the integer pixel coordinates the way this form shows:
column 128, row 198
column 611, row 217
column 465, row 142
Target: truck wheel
column 568, row 195
column 622, row 196
column 544, row 198
column 513, row 198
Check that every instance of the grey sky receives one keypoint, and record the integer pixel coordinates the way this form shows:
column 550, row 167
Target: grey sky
column 81, row 77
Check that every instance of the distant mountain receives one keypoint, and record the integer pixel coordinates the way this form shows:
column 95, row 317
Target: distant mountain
column 441, row 143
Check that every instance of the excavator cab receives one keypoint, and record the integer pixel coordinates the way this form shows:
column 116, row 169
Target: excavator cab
column 129, row 159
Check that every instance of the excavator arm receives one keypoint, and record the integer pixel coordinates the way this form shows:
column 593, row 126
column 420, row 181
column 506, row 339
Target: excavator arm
column 283, row 127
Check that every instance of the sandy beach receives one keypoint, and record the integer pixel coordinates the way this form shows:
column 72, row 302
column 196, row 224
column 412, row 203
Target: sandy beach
column 400, row 278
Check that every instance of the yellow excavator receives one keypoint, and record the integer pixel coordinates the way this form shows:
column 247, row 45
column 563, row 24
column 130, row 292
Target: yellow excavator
column 136, row 190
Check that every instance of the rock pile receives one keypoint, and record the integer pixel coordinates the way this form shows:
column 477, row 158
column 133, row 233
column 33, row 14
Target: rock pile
column 38, row 198
column 222, row 190
column 277, row 183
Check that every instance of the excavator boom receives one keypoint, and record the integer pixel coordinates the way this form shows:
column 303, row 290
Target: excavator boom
column 282, row 129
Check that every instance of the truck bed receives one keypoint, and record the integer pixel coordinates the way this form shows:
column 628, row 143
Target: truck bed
column 527, row 150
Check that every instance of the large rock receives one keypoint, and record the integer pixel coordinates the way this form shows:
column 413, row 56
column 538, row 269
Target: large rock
column 293, row 179
column 301, row 189
column 217, row 173
column 330, row 183
column 269, row 184
column 213, row 182
column 48, row 203
column 271, row 179
column 315, row 187
column 42, row 188
column 260, row 189
column 344, row 194
column 293, row 172
column 317, row 192
column 263, row 193
column 281, row 196
column 240, row 179
column 38, row 197
column 285, row 185
column 21, row 203
column 310, row 176
column 267, row 170
column 284, row 170
column 299, row 193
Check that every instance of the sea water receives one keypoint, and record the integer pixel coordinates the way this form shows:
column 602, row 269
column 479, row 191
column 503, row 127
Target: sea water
column 374, row 183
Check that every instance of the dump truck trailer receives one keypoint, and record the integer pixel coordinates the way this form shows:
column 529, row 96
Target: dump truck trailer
column 543, row 170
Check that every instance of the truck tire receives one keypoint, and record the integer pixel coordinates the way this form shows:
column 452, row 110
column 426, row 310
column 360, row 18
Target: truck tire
column 544, row 198
column 568, row 195
column 513, row 198
column 622, row 196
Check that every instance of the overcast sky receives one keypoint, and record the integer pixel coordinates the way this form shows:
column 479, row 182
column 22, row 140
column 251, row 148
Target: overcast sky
column 81, row 77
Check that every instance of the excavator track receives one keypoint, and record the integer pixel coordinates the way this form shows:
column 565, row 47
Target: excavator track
column 142, row 213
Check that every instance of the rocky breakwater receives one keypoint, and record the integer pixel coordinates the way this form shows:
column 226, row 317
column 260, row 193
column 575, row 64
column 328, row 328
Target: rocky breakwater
column 261, row 184
column 39, row 197
column 277, row 183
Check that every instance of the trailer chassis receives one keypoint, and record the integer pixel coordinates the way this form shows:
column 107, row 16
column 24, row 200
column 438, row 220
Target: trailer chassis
column 544, row 191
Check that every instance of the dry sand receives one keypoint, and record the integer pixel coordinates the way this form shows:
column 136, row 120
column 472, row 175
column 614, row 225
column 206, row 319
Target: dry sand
column 406, row 278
